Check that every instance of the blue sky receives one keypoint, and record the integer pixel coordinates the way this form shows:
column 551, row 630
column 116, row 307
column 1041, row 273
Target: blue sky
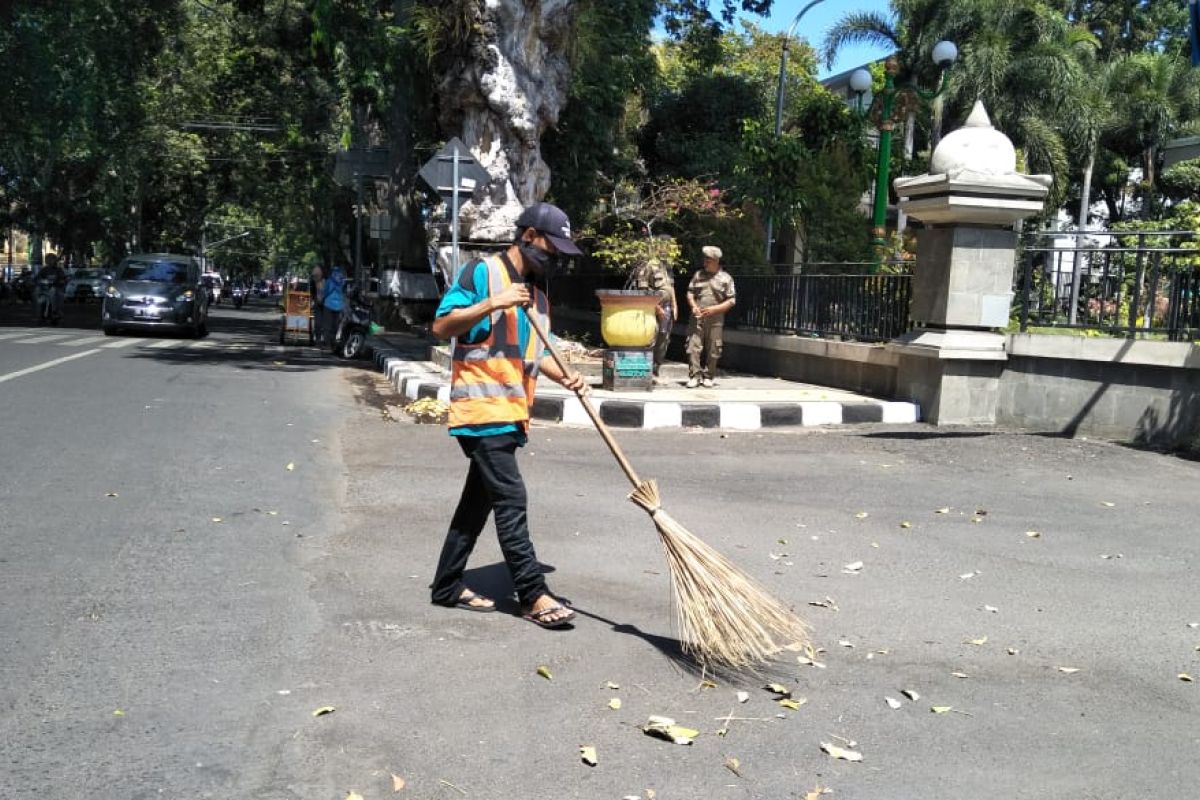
column 818, row 20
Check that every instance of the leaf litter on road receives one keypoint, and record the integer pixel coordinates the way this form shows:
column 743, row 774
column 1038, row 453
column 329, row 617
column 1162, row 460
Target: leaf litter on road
column 544, row 671
column 842, row 753
column 587, row 754
column 666, row 728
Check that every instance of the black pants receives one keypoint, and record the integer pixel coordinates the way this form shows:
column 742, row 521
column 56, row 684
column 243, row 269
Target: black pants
column 493, row 484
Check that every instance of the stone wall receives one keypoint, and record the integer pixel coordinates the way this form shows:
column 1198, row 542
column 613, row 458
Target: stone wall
column 1139, row 391
column 1145, row 392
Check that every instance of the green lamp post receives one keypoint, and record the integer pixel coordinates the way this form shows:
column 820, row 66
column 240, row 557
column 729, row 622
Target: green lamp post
column 887, row 107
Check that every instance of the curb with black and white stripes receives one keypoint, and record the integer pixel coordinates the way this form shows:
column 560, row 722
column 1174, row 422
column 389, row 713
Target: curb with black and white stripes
column 415, row 380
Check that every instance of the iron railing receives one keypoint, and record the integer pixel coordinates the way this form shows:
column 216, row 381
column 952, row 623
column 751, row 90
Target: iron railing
column 869, row 308
column 1123, row 283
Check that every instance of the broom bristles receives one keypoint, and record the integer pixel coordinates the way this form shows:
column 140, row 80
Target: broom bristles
column 724, row 617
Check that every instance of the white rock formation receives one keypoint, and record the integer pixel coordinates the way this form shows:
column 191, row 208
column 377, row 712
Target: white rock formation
column 507, row 89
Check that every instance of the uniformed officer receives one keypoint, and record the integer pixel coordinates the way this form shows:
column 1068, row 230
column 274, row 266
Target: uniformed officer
column 710, row 294
column 654, row 276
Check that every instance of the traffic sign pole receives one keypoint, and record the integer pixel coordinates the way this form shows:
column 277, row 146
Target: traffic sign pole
column 454, row 215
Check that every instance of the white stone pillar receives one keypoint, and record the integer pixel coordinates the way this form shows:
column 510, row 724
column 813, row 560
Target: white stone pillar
column 962, row 284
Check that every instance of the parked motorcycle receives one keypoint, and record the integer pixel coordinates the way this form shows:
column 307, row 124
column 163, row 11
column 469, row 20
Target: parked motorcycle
column 354, row 325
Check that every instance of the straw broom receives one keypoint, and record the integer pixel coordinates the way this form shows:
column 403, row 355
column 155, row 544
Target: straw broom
column 725, row 619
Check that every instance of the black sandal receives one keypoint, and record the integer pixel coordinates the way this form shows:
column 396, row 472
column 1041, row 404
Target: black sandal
column 464, row 602
column 539, row 617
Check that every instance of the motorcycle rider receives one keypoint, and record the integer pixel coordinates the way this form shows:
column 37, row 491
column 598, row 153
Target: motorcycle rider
column 52, row 284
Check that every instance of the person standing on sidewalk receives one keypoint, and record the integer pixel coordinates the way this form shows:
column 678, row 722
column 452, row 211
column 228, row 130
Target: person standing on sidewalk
column 710, row 294
column 316, row 285
column 496, row 359
column 653, row 276
column 333, row 299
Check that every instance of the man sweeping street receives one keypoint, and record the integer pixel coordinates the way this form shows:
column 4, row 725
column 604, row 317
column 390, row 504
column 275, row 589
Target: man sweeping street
column 710, row 294
column 496, row 360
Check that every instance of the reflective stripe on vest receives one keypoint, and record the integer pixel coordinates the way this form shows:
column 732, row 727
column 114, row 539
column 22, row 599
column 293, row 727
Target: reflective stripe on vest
column 493, row 381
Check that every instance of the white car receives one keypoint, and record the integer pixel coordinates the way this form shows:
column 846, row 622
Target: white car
column 85, row 284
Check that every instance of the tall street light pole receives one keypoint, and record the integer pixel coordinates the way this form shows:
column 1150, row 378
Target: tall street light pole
column 885, row 112
column 783, row 57
column 206, row 246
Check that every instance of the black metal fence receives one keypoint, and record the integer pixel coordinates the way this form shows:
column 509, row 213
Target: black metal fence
column 870, row 308
column 1132, row 284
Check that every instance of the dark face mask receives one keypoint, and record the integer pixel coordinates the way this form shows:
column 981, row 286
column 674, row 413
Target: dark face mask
column 543, row 263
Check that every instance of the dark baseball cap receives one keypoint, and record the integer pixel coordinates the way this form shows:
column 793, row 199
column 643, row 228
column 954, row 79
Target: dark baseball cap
column 552, row 222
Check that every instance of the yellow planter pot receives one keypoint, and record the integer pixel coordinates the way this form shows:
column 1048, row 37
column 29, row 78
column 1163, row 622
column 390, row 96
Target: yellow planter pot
column 627, row 318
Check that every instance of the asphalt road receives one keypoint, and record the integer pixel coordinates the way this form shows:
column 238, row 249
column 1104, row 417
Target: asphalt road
column 217, row 641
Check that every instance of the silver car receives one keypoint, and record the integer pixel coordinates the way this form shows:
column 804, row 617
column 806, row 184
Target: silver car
column 156, row 290
column 85, row 284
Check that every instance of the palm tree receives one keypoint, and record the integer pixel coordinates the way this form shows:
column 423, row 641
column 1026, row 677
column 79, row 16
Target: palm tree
column 1159, row 93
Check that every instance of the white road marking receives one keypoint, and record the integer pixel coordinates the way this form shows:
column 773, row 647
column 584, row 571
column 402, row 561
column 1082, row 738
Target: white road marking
column 15, row 334
column 121, row 343
column 86, row 340
column 28, row 370
column 162, row 344
column 204, row 344
column 44, row 339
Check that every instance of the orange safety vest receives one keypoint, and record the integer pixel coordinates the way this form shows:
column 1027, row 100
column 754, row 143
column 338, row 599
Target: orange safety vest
column 493, row 381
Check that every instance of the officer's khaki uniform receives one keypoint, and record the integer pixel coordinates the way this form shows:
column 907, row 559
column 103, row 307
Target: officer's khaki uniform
column 705, row 334
column 655, row 277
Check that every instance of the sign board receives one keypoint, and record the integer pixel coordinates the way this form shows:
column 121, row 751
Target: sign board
column 365, row 161
column 439, row 171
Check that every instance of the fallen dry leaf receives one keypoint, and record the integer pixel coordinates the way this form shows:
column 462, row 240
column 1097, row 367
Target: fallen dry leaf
column 291, row 467
column 398, row 783
column 966, row 576
column 354, row 796
column 706, row 684
column 816, row 793
column 841, row 752
column 892, row 703
column 945, row 510
column 734, row 766
column 910, row 694
column 742, row 697
column 991, row 609
column 1033, row 534
column 905, row 524
column 959, row 675
column 112, row 494
column 828, row 602
column 545, row 673
column 976, row 519
column 845, row 643
column 1107, row 504
column 1183, row 676
column 861, row 515
column 323, row 710
column 118, row 713
column 613, row 686
column 587, row 754
column 794, row 705
column 808, row 662
column 941, row 709
column 778, row 688
column 980, row 642
column 216, row 519
column 1012, row 651
column 853, row 566
column 666, row 728
column 1068, row 670
column 615, row 704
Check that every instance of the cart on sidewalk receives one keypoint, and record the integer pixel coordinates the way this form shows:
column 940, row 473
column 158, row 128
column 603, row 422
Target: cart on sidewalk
column 297, row 315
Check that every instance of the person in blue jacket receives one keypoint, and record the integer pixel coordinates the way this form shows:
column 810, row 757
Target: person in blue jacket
column 333, row 299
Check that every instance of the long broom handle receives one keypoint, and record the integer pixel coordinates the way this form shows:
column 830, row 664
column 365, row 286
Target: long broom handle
column 603, row 430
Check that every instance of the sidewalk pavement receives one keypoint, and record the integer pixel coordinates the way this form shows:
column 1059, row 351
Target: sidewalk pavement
column 741, row 402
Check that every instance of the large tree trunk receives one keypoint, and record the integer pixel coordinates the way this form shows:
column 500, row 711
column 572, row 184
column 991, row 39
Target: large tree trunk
column 501, row 95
